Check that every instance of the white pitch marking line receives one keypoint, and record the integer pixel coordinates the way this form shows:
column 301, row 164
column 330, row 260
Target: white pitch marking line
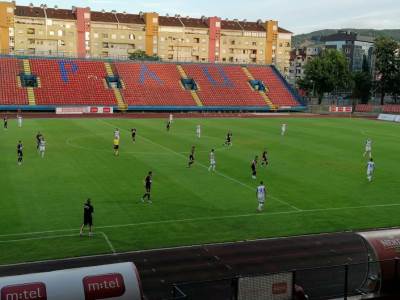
column 216, row 172
column 68, row 142
column 38, row 238
column 60, row 236
column 109, row 243
column 208, row 219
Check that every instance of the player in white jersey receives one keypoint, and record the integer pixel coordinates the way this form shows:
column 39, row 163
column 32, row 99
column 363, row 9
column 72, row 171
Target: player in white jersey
column 283, row 129
column 171, row 118
column 370, row 169
column 368, row 148
column 19, row 119
column 42, row 147
column 261, row 193
column 116, row 134
column 198, row 131
column 212, row 161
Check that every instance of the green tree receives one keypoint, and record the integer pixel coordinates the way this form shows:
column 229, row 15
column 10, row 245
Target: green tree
column 395, row 87
column 387, row 66
column 363, row 83
column 142, row 55
column 327, row 73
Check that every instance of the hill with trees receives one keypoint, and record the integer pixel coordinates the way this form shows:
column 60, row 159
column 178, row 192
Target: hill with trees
column 314, row 38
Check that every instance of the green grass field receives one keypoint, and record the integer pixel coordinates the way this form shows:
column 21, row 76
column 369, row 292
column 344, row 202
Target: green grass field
column 316, row 182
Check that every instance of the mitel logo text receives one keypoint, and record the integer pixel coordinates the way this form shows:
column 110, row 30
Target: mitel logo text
column 103, row 286
column 27, row 291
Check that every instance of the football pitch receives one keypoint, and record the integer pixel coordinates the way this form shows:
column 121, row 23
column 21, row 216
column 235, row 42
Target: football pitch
column 316, row 182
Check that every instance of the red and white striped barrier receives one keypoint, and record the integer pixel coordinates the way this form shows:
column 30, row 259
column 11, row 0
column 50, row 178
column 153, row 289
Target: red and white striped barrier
column 341, row 109
column 79, row 110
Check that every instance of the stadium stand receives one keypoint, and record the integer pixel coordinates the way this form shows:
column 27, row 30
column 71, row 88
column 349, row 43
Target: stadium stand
column 391, row 108
column 364, row 107
column 51, row 82
column 276, row 89
column 11, row 91
column 152, row 84
column 223, row 85
column 71, row 82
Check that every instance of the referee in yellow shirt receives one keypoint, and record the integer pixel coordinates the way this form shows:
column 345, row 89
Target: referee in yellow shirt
column 116, row 146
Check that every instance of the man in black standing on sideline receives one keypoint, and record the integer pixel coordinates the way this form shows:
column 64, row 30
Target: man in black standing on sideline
column 88, row 211
column 147, row 185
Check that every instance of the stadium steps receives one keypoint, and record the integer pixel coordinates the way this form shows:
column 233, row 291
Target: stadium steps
column 278, row 92
column 109, row 69
column 267, row 100
column 122, row 106
column 31, row 94
column 181, row 72
column 26, row 66
column 19, row 81
column 247, row 72
column 194, row 94
column 262, row 93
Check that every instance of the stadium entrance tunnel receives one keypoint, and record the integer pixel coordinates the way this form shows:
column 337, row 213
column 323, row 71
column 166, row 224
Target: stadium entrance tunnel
column 189, row 84
column 29, row 80
column 114, row 82
column 257, row 85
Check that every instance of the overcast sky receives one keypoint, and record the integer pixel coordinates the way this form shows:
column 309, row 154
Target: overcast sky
column 299, row 16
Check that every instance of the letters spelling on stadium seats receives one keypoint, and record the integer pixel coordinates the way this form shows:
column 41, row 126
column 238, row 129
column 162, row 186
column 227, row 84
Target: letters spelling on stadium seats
column 28, row 291
column 103, row 286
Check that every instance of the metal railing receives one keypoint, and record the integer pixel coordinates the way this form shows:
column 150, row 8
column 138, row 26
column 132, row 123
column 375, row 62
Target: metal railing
column 328, row 282
column 125, row 57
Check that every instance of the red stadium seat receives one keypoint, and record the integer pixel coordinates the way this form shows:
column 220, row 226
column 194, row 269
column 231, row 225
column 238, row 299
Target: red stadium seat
column 71, row 82
column 152, row 84
column 391, row 108
column 10, row 92
column 364, row 108
column 223, row 85
column 277, row 91
column 83, row 82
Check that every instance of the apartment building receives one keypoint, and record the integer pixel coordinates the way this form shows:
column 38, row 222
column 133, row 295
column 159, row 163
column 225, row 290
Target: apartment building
column 283, row 48
column 80, row 32
column 298, row 60
column 354, row 46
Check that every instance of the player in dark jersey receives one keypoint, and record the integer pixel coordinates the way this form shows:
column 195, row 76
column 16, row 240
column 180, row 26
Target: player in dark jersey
column 88, row 211
column 20, row 154
column 148, row 180
column 228, row 140
column 264, row 158
column 191, row 157
column 133, row 133
column 5, row 122
column 168, row 125
column 254, row 168
column 39, row 137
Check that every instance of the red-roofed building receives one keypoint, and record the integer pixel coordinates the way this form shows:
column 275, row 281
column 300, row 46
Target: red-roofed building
column 84, row 33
